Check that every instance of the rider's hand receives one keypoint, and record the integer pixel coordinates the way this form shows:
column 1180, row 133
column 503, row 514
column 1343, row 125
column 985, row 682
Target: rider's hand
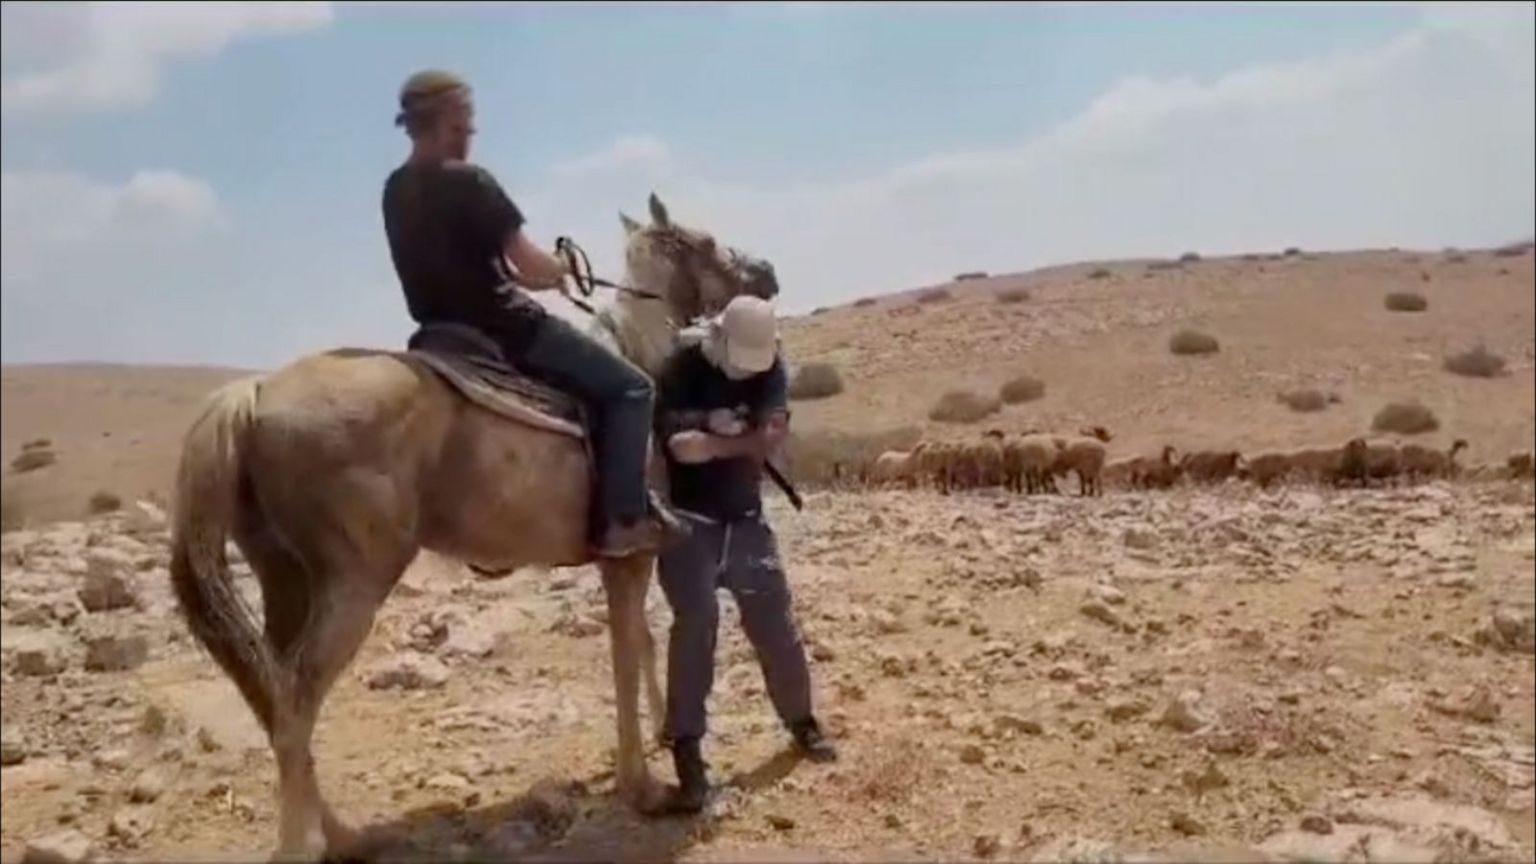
column 692, row 447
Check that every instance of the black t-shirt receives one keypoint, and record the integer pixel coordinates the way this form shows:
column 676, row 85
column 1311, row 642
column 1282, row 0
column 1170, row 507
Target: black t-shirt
column 447, row 225
column 690, row 384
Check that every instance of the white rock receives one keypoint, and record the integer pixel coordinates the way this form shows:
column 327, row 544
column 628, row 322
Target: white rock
column 116, row 653
column 106, row 589
column 1185, row 713
column 13, row 748
column 37, row 653
column 64, row 847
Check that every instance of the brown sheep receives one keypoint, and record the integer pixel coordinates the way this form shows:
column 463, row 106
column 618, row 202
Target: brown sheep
column 986, row 457
column 1265, row 468
column 1317, row 464
column 1364, row 461
column 1120, row 472
column 1086, row 456
column 1036, row 453
column 1211, row 466
column 1159, row 473
column 1419, row 461
column 938, row 463
column 893, row 467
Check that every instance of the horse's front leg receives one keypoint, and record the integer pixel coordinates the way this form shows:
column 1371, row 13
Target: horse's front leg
column 625, row 582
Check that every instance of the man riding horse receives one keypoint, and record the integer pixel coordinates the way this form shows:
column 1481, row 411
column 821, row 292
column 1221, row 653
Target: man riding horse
column 452, row 231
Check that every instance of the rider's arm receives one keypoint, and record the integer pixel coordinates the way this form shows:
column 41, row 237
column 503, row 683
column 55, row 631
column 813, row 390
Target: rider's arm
column 540, row 270
column 498, row 224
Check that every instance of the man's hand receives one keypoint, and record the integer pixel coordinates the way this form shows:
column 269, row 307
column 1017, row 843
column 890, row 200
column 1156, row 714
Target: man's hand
column 692, row 447
column 723, row 421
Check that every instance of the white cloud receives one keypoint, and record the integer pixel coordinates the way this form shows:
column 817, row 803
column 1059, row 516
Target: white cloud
column 101, row 56
column 81, row 261
column 1427, row 140
column 627, row 151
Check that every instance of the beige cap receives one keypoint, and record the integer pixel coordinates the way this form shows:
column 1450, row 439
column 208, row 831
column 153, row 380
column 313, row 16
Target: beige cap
column 751, row 333
column 421, row 91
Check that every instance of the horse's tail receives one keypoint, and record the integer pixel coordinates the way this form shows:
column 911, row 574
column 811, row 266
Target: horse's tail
column 208, row 487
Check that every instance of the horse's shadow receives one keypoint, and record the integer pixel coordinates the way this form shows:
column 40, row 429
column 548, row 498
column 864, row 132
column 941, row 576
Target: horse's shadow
column 555, row 822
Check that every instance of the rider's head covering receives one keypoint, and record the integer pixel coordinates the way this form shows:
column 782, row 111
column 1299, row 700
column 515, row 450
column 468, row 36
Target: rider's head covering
column 750, row 334
column 423, row 92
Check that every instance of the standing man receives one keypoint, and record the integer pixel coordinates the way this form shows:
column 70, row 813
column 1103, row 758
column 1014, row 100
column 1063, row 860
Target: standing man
column 451, row 232
column 722, row 409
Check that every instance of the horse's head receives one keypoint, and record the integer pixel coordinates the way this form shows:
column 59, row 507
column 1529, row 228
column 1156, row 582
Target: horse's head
column 697, row 275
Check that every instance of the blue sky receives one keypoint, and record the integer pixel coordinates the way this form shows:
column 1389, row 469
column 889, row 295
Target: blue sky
column 200, row 184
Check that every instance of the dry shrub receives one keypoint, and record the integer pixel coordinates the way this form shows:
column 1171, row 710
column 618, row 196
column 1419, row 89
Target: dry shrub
column 33, row 460
column 1012, row 295
column 1477, row 362
column 864, row 301
column 1513, row 250
column 1024, row 388
column 935, row 295
column 1455, row 256
column 893, row 774
column 105, row 502
column 1165, row 265
column 812, row 456
column 1187, row 342
column 970, row 275
column 1099, row 273
column 1405, row 418
column 1252, row 256
column 820, row 310
column 1307, row 401
column 1189, row 257
column 815, row 381
column 1292, row 251
column 1406, row 301
column 39, row 444
column 963, row 406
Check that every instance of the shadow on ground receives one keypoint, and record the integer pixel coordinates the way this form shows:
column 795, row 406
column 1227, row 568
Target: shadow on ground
column 557, row 822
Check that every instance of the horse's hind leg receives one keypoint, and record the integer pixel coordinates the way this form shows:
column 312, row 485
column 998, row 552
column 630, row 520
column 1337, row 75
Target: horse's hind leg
column 320, row 607
column 625, row 582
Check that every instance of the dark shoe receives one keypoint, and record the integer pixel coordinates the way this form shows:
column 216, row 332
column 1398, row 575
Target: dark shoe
column 692, row 781
column 629, row 537
column 811, row 742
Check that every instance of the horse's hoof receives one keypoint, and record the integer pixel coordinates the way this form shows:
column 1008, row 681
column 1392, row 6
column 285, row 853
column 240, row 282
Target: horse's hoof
column 652, row 799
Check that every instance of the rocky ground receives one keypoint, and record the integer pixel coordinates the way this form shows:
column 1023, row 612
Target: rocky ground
column 1218, row 674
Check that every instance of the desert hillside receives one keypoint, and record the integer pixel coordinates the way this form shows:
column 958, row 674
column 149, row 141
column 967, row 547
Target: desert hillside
column 1095, row 334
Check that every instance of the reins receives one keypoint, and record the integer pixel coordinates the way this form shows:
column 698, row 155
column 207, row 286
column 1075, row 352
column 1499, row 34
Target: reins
column 586, row 281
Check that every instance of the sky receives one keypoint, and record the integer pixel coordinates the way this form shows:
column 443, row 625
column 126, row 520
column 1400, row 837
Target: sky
column 200, row 183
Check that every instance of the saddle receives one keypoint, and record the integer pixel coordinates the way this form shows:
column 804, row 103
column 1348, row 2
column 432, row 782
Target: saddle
column 474, row 365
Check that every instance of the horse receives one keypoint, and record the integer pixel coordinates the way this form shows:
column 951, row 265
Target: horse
column 331, row 473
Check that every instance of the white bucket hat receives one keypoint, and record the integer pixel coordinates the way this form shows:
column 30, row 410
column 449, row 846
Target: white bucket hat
column 750, row 331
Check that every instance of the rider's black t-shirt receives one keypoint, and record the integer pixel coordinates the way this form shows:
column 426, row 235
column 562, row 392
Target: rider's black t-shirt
column 447, row 225
column 689, row 383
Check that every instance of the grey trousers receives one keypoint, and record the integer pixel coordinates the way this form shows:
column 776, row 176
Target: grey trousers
column 743, row 557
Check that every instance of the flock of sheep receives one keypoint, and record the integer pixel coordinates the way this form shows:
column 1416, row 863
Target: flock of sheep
column 1031, row 462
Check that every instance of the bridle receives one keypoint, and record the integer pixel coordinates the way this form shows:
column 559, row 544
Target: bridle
column 580, row 267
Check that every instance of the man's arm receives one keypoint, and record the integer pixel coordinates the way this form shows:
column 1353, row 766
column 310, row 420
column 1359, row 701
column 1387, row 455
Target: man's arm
column 770, row 429
column 498, row 224
column 541, row 270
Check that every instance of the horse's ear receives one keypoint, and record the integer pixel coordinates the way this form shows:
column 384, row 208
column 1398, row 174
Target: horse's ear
column 659, row 212
column 630, row 225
